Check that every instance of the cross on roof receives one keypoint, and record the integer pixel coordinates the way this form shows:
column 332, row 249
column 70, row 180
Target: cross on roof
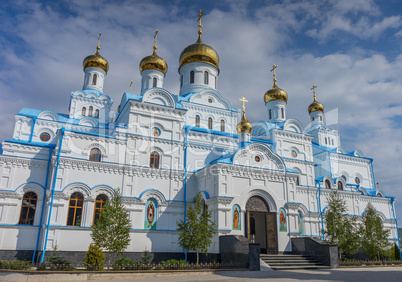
column 244, row 101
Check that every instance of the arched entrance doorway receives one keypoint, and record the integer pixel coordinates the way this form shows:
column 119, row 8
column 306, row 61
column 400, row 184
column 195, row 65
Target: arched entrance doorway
column 261, row 225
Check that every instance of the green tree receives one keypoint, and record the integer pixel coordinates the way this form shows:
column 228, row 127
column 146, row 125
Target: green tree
column 94, row 258
column 196, row 233
column 341, row 229
column 111, row 232
column 374, row 236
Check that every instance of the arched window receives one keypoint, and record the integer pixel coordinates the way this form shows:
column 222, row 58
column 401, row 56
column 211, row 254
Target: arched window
column 95, row 155
column 340, row 186
column 28, row 208
column 313, row 118
column 325, row 140
column 44, row 136
column 154, row 160
column 91, row 109
column 94, row 79
column 99, row 202
column 270, row 114
column 320, row 118
column 297, row 181
column 215, row 82
column 75, row 209
column 96, row 114
column 206, row 77
column 181, row 81
column 327, row 184
column 332, row 142
column 154, row 81
column 191, row 76
column 283, row 114
column 209, row 123
column 222, row 125
column 197, row 121
column 84, row 111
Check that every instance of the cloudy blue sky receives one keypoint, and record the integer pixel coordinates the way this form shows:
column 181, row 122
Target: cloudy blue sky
column 352, row 50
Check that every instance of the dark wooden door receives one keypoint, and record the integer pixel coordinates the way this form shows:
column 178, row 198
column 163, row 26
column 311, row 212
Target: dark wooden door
column 272, row 233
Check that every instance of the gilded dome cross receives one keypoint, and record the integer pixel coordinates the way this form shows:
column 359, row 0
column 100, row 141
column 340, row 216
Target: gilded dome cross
column 313, row 88
column 273, row 70
column 199, row 20
column 244, row 105
column 98, row 48
column 155, row 39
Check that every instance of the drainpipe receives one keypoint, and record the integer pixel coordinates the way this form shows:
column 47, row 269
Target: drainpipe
column 185, row 182
column 372, row 172
column 321, row 213
column 43, row 203
column 54, row 186
column 33, row 127
column 396, row 223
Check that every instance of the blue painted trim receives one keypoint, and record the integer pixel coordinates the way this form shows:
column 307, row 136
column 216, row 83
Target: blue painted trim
column 7, row 224
column 36, row 144
column 329, row 163
column 151, row 189
column 33, row 128
column 209, row 131
column 186, row 129
column 372, row 172
column 321, row 213
column 396, row 223
column 43, row 204
column 53, row 190
column 206, row 194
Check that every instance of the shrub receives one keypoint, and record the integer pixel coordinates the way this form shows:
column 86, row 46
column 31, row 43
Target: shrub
column 57, row 263
column 94, row 258
column 14, row 264
column 124, row 263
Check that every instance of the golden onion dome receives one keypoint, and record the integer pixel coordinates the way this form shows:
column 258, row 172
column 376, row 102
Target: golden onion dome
column 96, row 60
column 244, row 125
column 315, row 106
column 275, row 94
column 154, row 62
column 199, row 52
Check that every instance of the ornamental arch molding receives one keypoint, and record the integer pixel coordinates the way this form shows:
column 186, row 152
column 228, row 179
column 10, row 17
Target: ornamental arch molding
column 30, row 187
column 260, row 199
column 155, row 194
column 103, row 189
column 77, row 187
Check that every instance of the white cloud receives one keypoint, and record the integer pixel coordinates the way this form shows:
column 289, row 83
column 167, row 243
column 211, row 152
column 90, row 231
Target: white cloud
column 41, row 70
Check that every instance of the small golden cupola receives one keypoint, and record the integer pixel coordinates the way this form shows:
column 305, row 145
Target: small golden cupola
column 275, row 93
column 199, row 52
column 275, row 101
column 153, row 61
column 316, row 110
column 95, row 69
column 315, row 106
column 96, row 60
column 244, row 127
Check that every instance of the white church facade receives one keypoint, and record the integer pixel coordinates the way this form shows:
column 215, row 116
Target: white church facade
column 268, row 182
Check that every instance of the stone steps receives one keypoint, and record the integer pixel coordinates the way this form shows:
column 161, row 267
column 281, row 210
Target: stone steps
column 288, row 262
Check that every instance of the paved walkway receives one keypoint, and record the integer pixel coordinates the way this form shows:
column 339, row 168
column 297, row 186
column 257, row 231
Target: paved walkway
column 387, row 274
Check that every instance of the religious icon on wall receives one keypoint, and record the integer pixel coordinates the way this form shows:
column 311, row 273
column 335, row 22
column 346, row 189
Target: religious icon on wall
column 156, row 132
column 282, row 220
column 293, row 153
column 236, row 217
column 150, row 214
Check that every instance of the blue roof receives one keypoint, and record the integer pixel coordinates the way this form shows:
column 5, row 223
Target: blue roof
column 63, row 118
